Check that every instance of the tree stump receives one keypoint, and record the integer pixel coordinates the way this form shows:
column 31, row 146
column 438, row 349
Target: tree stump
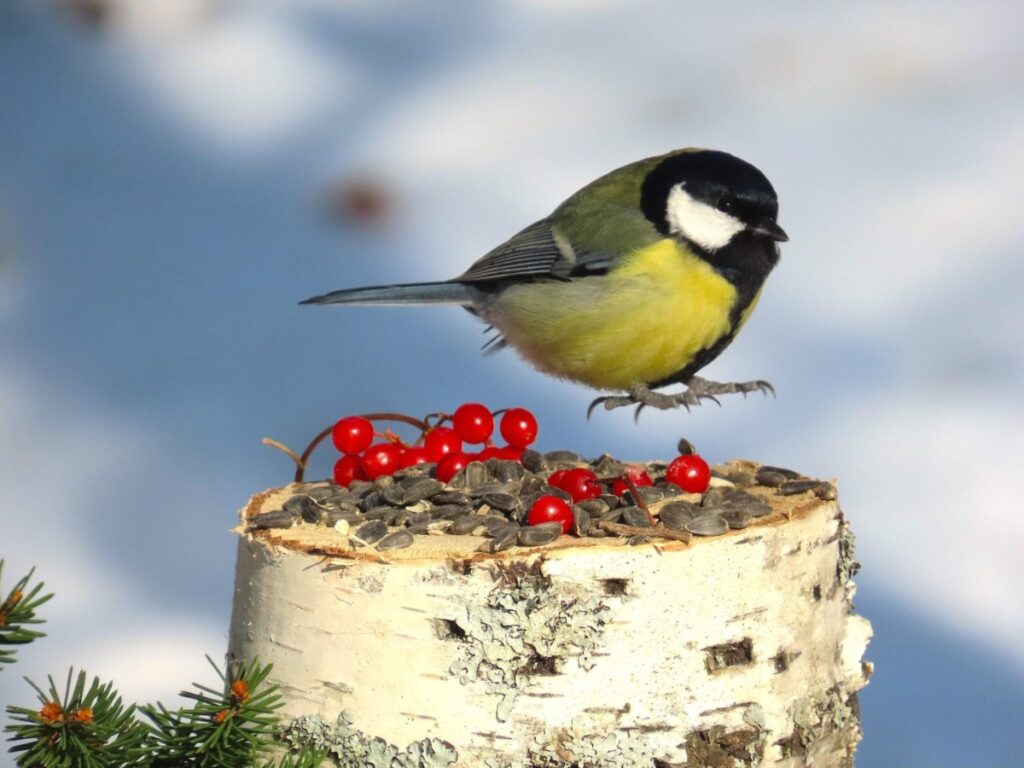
column 735, row 650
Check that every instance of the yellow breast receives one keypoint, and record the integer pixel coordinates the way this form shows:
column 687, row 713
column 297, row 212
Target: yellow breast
column 638, row 324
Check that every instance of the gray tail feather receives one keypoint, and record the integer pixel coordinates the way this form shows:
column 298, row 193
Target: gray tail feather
column 409, row 293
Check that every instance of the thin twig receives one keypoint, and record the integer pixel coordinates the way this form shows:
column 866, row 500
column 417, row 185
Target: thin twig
column 636, row 497
column 285, row 449
column 300, row 471
column 655, row 530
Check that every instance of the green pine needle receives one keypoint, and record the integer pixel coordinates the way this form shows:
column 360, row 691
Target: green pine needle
column 227, row 727
column 17, row 610
column 83, row 726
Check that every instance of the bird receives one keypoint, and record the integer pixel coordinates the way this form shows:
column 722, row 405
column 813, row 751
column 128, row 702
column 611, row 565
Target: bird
column 636, row 282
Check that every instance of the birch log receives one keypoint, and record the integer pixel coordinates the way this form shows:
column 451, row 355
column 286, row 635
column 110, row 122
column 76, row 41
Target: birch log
column 737, row 650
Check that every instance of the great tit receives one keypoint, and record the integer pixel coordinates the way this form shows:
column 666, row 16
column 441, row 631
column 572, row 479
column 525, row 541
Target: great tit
column 637, row 281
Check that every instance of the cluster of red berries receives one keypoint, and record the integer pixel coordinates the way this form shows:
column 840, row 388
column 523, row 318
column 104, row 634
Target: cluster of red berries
column 689, row 471
column 472, row 423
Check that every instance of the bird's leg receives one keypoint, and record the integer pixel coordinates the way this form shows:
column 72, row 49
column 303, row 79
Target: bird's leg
column 697, row 389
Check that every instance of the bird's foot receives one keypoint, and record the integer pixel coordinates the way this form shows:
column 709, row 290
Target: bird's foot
column 697, row 390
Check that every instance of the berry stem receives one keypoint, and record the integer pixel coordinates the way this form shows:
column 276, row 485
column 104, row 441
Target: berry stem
column 636, row 497
column 300, row 470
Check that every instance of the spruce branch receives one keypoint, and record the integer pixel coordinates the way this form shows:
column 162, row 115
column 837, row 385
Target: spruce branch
column 18, row 610
column 87, row 727
column 226, row 727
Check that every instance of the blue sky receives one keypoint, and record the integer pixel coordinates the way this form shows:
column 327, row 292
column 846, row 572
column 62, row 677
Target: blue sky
column 161, row 212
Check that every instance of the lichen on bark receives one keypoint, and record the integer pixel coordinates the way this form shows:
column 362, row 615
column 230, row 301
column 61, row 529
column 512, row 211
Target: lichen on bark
column 351, row 748
column 526, row 627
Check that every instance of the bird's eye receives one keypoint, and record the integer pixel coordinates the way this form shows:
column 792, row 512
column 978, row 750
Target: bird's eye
column 725, row 205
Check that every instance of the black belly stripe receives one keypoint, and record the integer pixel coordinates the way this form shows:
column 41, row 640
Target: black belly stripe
column 745, row 264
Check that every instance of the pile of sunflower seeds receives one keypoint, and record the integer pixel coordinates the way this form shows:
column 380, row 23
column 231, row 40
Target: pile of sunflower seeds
column 493, row 498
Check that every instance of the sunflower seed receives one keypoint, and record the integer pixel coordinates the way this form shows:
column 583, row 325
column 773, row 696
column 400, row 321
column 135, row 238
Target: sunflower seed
column 647, row 493
column 594, row 507
column 277, row 518
column 369, row 501
column 296, row 504
column 611, row 516
column 597, row 533
column 493, row 524
column 636, row 517
column 421, row 527
column 580, row 520
column 670, row 489
column 450, row 511
column 794, row 487
column 371, row 531
column 562, row 457
column 563, row 495
column 826, row 492
column 438, row 527
column 741, row 478
column 713, row 497
column 535, row 535
column 323, row 494
column 610, row 499
column 707, row 525
column 384, row 481
column 505, row 471
column 685, row 447
column 466, row 524
column 606, row 466
column 773, row 477
column 473, row 476
column 676, row 514
column 505, row 540
column 352, row 518
column 505, row 502
column 736, row 518
column 396, row 540
column 483, row 489
column 393, row 494
column 423, row 488
column 377, row 513
column 533, row 461
column 450, row 497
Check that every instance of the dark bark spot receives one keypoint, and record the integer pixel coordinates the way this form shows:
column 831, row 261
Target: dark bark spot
column 729, row 654
column 615, row 587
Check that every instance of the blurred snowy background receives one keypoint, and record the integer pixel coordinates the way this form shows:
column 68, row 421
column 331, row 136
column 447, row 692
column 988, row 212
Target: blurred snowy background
column 175, row 176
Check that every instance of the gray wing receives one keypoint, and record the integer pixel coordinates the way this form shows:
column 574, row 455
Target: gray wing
column 536, row 252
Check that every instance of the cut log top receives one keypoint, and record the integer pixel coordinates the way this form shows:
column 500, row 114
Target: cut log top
column 340, row 542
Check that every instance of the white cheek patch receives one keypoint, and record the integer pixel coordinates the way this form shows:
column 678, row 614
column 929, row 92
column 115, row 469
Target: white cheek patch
column 698, row 222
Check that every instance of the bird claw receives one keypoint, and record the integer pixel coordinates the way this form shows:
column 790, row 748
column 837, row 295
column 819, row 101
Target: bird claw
column 697, row 390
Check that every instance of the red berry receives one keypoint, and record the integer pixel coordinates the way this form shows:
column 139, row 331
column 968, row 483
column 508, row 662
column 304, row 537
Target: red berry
column 473, row 422
column 450, row 465
column 440, row 441
column 638, row 475
column 509, row 453
column 413, row 454
column 550, row 509
column 381, row 459
column 690, row 472
column 352, row 434
column 581, row 484
column 347, row 469
column 518, row 427
column 557, row 478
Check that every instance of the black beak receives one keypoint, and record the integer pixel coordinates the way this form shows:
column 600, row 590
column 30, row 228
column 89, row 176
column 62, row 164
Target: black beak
column 770, row 229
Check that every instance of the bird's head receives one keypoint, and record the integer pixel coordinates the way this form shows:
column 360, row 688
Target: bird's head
column 710, row 198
